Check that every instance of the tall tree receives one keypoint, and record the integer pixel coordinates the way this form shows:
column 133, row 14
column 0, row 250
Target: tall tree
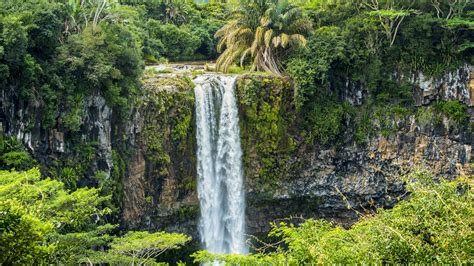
column 450, row 8
column 264, row 31
column 390, row 13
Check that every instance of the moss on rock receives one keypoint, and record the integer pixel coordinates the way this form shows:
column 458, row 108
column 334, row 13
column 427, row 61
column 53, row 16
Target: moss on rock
column 265, row 104
column 168, row 137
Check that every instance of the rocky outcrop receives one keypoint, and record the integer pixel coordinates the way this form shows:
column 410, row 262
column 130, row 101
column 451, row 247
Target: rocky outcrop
column 450, row 86
column 301, row 180
column 288, row 177
column 54, row 145
column 354, row 93
column 160, row 185
column 427, row 89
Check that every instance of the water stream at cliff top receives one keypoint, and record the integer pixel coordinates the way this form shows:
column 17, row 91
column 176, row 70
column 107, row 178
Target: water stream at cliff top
column 219, row 165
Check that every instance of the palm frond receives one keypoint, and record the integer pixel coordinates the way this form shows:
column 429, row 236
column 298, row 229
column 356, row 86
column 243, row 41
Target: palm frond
column 261, row 30
column 244, row 56
column 285, row 39
column 268, row 37
column 298, row 39
column 276, row 41
column 259, row 35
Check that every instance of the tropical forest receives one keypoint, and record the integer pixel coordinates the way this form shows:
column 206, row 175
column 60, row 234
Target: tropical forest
column 236, row 132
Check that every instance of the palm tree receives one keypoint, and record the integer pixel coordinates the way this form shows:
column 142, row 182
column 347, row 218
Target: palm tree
column 83, row 12
column 175, row 12
column 264, row 31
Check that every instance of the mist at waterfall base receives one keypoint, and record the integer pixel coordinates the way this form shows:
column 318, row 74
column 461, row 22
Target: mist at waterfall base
column 219, row 166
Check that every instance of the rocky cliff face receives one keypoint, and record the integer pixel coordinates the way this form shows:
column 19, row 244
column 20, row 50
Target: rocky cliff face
column 160, row 186
column 150, row 156
column 454, row 85
column 336, row 181
column 57, row 147
column 325, row 182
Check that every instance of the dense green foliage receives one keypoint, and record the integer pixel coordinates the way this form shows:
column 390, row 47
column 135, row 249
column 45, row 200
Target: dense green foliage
column 138, row 248
column 150, row 245
column 433, row 226
column 349, row 40
column 180, row 30
column 43, row 223
column 38, row 217
column 13, row 155
column 58, row 54
column 360, row 45
column 453, row 110
column 51, row 64
column 61, row 59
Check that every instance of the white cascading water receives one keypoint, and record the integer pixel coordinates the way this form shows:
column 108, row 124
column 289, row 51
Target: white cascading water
column 219, row 165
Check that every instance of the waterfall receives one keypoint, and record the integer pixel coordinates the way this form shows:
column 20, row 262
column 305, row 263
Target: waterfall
column 219, row 165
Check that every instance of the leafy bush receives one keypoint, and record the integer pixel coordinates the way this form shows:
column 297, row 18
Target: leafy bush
column 104, row 60
column 191, row 38
column 19, row 160
column 177, row 42
column 47, row 209
column 311, row 68
column 326, row 120
column 454, row 110
column 14, row 155
column 145, row 246
column 21, row 232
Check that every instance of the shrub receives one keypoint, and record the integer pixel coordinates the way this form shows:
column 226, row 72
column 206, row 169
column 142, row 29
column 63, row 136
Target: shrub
column 19, row 160
column 177, row 42
column 454, row 110
column 49, row 212
column 14, row 155
column 325, row 122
